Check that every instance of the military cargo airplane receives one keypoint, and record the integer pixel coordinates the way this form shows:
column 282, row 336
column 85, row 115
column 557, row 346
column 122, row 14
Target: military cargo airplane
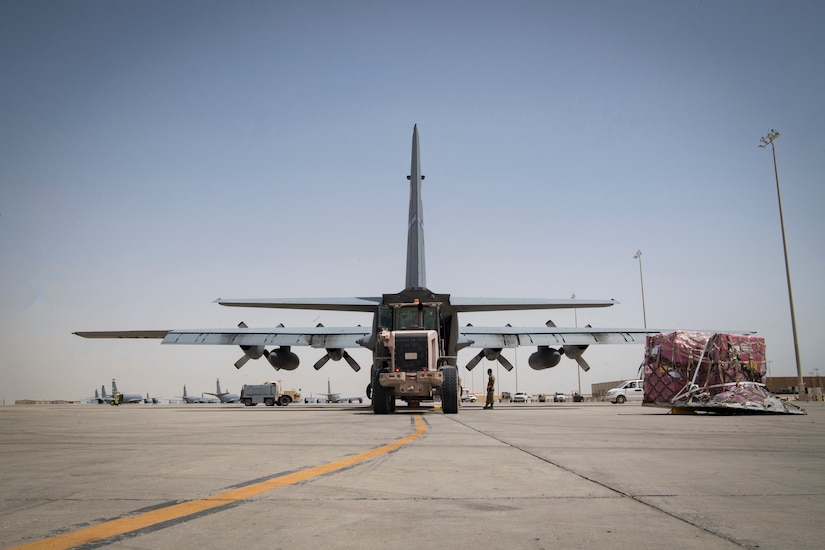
column 336, row 397
column 224, row 396
column 103, row 397
column 415, row 335
column 195, row 399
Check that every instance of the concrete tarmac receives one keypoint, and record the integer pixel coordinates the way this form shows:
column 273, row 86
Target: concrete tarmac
column 536, row 475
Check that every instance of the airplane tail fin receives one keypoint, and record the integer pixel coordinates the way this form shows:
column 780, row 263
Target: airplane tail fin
column 103, row 391
column 416, row 269
column 218, row 381
column 329, row 388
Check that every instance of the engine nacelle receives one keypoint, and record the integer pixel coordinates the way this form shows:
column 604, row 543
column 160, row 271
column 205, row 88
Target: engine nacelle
column 545, row 357
column 282, row 358
column 492, row 354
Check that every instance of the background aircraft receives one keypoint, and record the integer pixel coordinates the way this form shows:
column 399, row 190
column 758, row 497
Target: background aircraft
column 224, row 396
column 420, row 325
column 126, row 397
column 103, row 397
column 336, row 397
column 195, row 399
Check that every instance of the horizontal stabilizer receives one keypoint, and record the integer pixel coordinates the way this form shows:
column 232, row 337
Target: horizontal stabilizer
column 512, row 304
column 367, row 304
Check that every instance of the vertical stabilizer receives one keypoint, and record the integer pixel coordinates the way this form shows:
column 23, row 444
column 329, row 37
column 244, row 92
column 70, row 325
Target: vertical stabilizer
column 416, row 270
column 218, row 383
column 114, row 387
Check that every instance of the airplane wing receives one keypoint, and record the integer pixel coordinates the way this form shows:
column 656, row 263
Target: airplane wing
column 510, row 337
column 572, row 342
column 124, row 334
column 316, row 337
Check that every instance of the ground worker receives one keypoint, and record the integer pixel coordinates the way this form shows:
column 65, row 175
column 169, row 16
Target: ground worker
column 491, row 389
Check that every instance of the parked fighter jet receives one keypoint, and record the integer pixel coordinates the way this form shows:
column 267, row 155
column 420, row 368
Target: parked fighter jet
column 415, row 335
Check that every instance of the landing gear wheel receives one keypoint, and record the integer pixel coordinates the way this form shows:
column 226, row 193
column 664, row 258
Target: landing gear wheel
column 449, row 390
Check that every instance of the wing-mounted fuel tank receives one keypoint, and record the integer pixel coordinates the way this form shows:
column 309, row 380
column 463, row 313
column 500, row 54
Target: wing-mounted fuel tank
column 282, row 358
column 546, row 357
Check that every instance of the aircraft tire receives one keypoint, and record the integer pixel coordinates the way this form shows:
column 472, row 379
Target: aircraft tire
column 449, row 390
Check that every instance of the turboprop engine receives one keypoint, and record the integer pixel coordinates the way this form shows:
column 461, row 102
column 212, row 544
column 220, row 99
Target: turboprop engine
column 249, row 352
column 545, row 357
column 282, row 358
column 491, row 354
column 575, row 353
column 336, row 354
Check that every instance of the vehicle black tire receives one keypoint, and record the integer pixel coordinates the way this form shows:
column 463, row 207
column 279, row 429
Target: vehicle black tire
column 269, row 402
column 248, row 402
column 620, row 399
column 284, row 400
column 383, row 399
column 449, row 390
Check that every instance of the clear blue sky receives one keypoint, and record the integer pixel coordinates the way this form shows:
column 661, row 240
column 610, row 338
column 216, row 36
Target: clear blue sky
column 155, row 156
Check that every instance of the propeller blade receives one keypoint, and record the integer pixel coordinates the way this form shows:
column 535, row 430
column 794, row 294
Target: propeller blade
column 505, row 363
column 321, row 362
column 475, row 361
column 352, row 363
column 242, row 361
column 582, row 363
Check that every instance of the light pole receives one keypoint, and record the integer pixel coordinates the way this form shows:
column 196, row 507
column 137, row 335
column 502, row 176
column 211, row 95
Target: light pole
column 638, row 256
column 764, row 141
column 576, row 324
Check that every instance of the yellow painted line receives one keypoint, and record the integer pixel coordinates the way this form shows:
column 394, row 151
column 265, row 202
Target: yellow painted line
column 175, row 511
